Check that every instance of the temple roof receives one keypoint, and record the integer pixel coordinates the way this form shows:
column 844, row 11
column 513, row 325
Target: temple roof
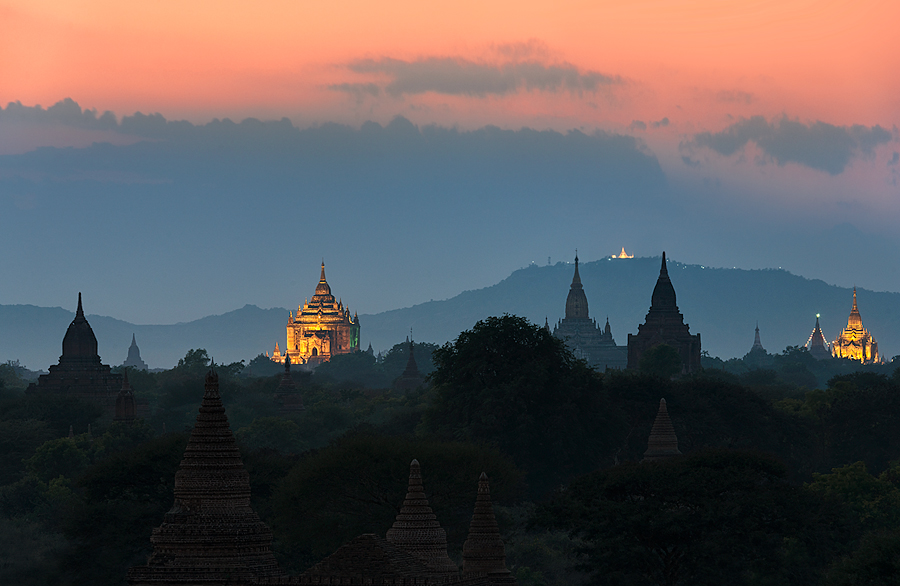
column 322, row 288
column 417, row 530
column 483, row 551
column 664, row 293
column 854, row 322
column 79, row 341
column 663, row 442
column 576, row 302
column 757, row 344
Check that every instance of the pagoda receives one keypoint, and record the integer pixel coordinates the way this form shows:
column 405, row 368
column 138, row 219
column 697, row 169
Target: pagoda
column 287, row 395
column 663, row 442
column 583, row 336
column 322, row 328
column 855, row 342
column 134, row 356
column 417, row 530
column 816, row 344
column 664, row 324
column 210, row 536
column 484, row 553
column 757, row 356
column 411, row 378
column 79, row 372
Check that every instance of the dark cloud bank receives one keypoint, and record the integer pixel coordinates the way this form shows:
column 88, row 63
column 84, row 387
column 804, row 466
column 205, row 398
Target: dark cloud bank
column 457, row 76
column 819, row 145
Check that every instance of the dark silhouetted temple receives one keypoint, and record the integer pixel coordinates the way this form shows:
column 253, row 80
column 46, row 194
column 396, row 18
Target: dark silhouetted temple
column 411, row 377
column 663, row 442
column 79, row 372
column 322, row 328
column 210, row 535
column 583, row 336
column 665, row 325
column 287, row 395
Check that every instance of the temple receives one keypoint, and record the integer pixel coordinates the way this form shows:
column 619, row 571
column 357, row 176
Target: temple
column 663, row 442
column 321, row 329
column 79, row 372
column 664, row 324
column 757, row 356
column 287, row 395
column 583, row 336
column 411, row 378
column 210, row 535
column 134, row 356
column 855, row 342
column 816, row 344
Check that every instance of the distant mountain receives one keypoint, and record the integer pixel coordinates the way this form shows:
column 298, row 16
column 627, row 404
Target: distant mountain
column 722, row 305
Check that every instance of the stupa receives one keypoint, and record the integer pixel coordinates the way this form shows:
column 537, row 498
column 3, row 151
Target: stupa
column 411, row 378
column 134, row 356
column 855, row 342
column 484, row 552
column 210, row 536
column 816, row 344
column 663, row 442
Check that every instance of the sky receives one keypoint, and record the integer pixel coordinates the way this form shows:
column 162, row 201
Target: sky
column 178, row 159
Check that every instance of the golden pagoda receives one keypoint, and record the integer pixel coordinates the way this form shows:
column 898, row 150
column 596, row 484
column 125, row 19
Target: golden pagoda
column 855, row 341
column 623, row 254
column 322, row 328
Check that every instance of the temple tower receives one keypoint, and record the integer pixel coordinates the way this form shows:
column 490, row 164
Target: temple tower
column 664, row 324
column 411, row 378
column 125, row 406
column 663, row 442
column 855, row 342
column 210, row 536
column 417, row 530
column 134, row 356
column 816, row 344
column 287, row 395
column 80, row 372
column 323, row 327
column 582, row 335
column 484, row 552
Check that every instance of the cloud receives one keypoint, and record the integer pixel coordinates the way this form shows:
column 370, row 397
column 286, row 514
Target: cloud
column 462, row 77
column 637, row 125
column 357, row 90
column 66, row 112
column 735, row 97
column 895, row 159
column 660, row 123
column 819, row 145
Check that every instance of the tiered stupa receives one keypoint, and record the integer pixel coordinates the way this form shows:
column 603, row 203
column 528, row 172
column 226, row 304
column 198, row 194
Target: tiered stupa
column 79, row 372
column 855, row 342
column 417, row 530
column 134, row 356
column 816, row 344
column 663, row 442
column 210, row 536
column 411, row 378
column 125, row 405
column 757, row 357
column 484, row 552
column 583, row 336
column 322, row 328
column 665, row 325
column 287, row 395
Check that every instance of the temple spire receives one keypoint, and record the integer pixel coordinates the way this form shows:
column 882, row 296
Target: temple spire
column 417, row 530
column 483, row 551
column 663, row 442
column 664, row 293
column 79, row 313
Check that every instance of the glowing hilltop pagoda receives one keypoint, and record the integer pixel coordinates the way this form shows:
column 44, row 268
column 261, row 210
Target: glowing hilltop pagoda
column 816, row 343
column 855, row 342
column 623, row 254
column 322, row 328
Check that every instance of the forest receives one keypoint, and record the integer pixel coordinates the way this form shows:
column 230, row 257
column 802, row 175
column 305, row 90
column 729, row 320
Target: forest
column 789, row 473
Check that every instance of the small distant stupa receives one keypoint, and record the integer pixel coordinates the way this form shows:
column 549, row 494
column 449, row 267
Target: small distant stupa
column 134, row 356
column 663, row 442
column 411, row 378
column 484, row 552
column 816, row 344
column 287, row 395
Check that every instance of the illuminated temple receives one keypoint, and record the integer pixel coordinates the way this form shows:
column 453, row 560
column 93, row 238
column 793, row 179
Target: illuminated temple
column 322, row 328
column 855, row 342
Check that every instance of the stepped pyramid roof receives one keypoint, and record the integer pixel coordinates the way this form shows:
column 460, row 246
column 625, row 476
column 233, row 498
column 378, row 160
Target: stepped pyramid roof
column 483, row 551
column 210, row 535
column 417, row 530
column 663, row 442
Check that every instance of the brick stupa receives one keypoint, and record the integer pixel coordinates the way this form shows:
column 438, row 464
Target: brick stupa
column 483, row 552
column 663, row 442
column 417, row 530
column 211, row 536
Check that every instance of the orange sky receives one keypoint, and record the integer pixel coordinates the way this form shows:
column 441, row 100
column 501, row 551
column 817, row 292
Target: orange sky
column 828, row 60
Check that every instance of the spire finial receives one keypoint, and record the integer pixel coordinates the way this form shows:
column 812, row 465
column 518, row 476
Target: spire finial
column 80, row 312
column 663, row 269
